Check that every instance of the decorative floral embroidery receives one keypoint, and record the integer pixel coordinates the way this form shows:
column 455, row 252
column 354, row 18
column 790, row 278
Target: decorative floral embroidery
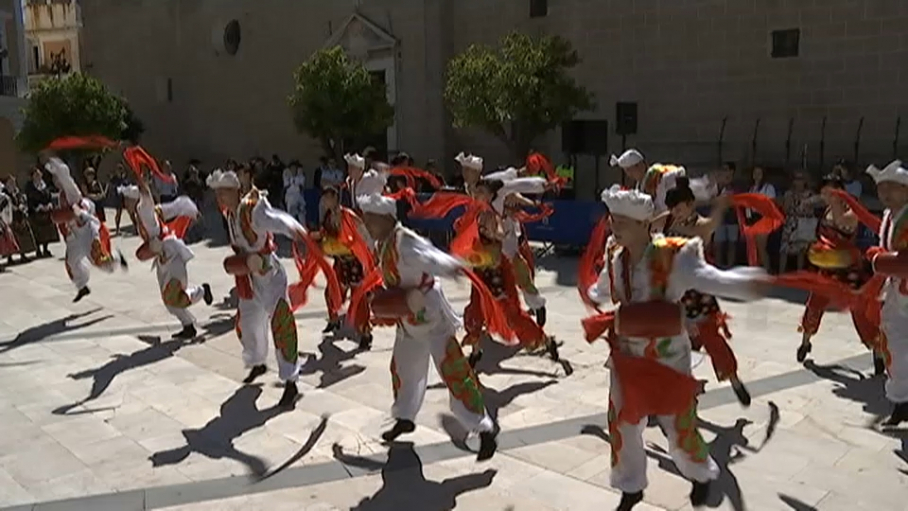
column 395, row 378
column 283, row 329
column 99, row 256
column 174, row 295
column 614, row 433
column 246, row 208
column 460, row 379
column 689, row 439
column 389, row 258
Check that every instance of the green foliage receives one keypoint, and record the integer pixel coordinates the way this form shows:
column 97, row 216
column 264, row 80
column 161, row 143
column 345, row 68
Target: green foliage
column 518, row 91
column 72, row 105
column 133, row 126
column 337, row 99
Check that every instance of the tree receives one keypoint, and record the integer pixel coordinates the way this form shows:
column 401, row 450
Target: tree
column 337, row 99
column 516, row 92
column 70, row 105
column 133, row 127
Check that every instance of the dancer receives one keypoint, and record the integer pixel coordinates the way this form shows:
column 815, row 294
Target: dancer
column 261, row 282
column 426, row 324
column 471, row 171
column 838, row 227
column 344, row 237
column 706, row 324
column 647, row 275
column 891, row 260
column 655, row 180
column 8, row 244
column 516, row 246
column 87, row 239
column 161, row 228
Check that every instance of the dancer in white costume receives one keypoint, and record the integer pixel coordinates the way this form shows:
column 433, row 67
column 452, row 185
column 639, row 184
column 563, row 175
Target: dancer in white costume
column 647, row 275
column 158, row 226
column 427, row 324
column 261, row 282
column 891, row 260
column 86, row 242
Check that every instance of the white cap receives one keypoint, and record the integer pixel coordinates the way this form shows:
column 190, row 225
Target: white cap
column 703, row 189
column 223, row 179
column 129, row 192
column 893, row 172
column 629, row 203
column 372, row 183
column 628, row 159
column 355, row 160
column 377, row 204
column 471, row 161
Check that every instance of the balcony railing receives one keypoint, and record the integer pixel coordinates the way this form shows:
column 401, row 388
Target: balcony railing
column 9, row 85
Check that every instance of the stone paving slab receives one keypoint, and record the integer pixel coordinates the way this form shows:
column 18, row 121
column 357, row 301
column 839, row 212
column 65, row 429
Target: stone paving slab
column 144, row 439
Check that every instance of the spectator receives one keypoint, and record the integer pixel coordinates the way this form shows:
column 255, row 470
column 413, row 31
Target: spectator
column 294, row 185
column 22, row 230
column 95, row 192
column 166, row 190
column 40, row 206
column 726, row 236
column 246, row 175
column 761, row 186
column 275, row 181
column 193, row 184
column 798, row 204
column 328, row 175
column 116, row 181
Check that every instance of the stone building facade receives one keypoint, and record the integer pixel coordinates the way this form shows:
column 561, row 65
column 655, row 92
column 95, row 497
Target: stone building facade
column 706, row 74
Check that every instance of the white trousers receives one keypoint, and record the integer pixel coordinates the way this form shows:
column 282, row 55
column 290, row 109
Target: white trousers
column 894, row 325
column 296, row 207
column 434, row 337
column 268, row 312
column 79, row 257
column 173, row 280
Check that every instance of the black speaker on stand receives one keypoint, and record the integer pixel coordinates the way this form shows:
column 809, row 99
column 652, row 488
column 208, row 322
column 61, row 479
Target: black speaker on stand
column 625, row 124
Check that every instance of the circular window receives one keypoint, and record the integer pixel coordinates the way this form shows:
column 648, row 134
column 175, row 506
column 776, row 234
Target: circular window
column 232, row 37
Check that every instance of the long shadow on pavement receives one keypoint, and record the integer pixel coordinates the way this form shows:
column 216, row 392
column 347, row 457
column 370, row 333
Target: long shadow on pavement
column 796, row 504
column 726, row 449
column 854, row 386
column 40, row 332
column 404, row 485
column 329, row 364
column 103, row 376
column 494, row 354
column 239, row 415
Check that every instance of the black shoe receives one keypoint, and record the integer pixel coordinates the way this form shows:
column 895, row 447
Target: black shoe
column 879, row 365
column 365, row 342
column 401, row 427
column 24, row 258
column 331, row 327
column 803, row 350
column 742, row 393
column 699, row 493
column 123, row 264
column 540, row 316
column 488, row 444
column 206, row 294
column 474, row 358
column 188, row 332
column 82, row 294
column 899, row 415
column 629, row 500
column 254, row 373
column 551, row 348
column 289, row 396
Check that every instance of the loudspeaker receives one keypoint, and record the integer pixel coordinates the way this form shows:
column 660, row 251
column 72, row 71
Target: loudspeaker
column 595, row 137
column 626, row 118
column 571, row 141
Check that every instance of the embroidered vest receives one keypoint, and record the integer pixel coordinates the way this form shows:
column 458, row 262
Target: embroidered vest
column 653, row 177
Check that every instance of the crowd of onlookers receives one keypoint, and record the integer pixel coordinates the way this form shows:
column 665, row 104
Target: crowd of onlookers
column 26, row 209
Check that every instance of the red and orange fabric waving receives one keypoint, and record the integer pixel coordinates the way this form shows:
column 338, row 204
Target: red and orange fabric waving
column 538, row 163
column 864, row 215
column 413, row 173
column 308, row 267
column 592, row 261
column 81, row 142
column 545, row 211
column 647, row 387
column 440, row 204
column 137, row 157
column 351, row 238
column 771, row 219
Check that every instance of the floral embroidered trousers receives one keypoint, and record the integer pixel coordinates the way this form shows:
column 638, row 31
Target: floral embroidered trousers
column 173, row 280
column 687, row 448
column 418, row 340
column 268, row 311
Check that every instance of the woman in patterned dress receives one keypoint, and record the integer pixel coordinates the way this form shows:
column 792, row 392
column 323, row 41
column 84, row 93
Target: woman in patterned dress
column 799, row 205
column 706, row 323
column 838, row 228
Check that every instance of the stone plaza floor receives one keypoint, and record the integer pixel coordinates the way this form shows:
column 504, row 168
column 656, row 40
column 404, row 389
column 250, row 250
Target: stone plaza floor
column 100, row 410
